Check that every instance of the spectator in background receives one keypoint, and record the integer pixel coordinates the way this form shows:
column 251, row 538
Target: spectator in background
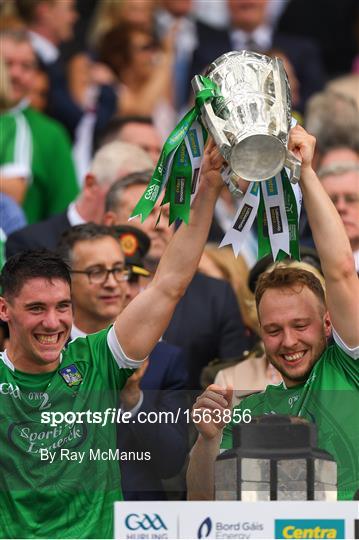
column 331, row 25
column 142, row 67
column 174, row 19
column 12, row 177
column 98, row 297
column 250, row 30
column 138, row 130
column 333, row 119
column 110, row 13
column 12, row 215
column 339, row 174
column 223, row 264
column 39, row 93
column 32, row 145
column 83, row 108
column 110, row 163
column 207, row 321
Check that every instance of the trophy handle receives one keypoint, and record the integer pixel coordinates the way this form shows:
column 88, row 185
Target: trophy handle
column 213, row 123
column 293, row 165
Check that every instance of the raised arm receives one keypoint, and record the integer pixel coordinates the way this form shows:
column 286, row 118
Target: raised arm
column 142, row 323
column 331, row 241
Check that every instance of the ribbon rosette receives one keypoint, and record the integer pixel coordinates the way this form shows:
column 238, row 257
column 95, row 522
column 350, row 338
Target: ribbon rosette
column 274, row 202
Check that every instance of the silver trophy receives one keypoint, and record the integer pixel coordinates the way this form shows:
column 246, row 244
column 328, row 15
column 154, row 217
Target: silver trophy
column 251, row 121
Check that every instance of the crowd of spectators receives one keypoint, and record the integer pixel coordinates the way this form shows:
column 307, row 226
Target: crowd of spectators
column 89, row 91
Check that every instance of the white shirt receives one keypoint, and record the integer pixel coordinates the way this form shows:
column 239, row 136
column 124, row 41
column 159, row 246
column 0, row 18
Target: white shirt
column 73, row 216
column 356, row 259
column 47, row 51
column 262, row 37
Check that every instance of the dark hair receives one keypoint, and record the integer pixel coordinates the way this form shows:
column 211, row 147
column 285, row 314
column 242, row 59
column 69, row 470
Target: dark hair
column 115, row 47
column 78, row 233
column 288, row 278
column 114, row 126
column 30, row 264
column 27, row 8
column 113, row 196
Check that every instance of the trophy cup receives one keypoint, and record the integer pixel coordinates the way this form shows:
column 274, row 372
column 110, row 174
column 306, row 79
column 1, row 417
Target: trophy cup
column 251, row 120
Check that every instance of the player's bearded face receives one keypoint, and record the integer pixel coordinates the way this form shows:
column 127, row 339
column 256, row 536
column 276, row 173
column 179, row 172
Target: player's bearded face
column 294, row 329
column 40, row 320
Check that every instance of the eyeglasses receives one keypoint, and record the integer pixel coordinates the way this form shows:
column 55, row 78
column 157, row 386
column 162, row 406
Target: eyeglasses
column 349, row 198
column 97, row 276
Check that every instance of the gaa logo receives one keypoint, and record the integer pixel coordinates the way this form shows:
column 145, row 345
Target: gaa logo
column 10, row 390
column 134, row 522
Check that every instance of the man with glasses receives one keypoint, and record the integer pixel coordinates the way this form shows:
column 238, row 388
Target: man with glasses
column 98, row 275
column 339, row 173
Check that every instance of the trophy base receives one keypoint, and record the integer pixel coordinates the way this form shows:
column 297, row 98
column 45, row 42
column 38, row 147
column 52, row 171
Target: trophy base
column 258, row 157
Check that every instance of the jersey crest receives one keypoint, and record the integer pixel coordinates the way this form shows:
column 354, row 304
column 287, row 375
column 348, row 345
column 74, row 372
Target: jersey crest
column 71, row 375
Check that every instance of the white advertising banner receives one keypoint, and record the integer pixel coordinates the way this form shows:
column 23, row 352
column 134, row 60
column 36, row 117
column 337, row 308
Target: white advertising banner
column 235, row 519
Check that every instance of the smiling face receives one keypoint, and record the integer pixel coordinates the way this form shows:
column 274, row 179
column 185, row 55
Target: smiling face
column 96, row 305
column 39, row 319
column 294, row 329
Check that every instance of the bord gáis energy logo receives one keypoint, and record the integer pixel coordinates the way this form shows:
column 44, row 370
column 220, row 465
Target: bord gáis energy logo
column 204, row 530
column 144, row 522
column 309, row 528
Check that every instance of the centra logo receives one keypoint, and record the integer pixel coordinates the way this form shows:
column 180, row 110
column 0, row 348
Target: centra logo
column 309, row 528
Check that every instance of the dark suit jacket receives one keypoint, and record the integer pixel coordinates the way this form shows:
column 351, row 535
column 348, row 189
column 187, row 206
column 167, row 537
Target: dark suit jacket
column 207, row 324
column 62, row 106
column 302, row 53
column 44, row 234
column 163, row 387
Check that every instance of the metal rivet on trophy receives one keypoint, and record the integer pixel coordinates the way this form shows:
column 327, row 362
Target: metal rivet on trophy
column 275, row 458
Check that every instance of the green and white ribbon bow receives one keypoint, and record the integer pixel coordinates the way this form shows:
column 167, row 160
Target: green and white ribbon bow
column 178, row 167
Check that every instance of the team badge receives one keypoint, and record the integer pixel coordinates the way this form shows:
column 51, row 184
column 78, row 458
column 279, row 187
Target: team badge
column 129, row 244
column 71, row 375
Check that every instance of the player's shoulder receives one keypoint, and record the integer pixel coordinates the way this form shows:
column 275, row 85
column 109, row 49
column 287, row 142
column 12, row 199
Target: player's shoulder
column 81, row 348
column 50, row 126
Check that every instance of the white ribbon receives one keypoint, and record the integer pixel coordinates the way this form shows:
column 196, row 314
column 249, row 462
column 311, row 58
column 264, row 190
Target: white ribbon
column 243, row 219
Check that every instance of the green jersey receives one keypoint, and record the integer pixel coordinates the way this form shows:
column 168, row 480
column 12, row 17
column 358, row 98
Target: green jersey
column 330, row 399
column 68, row 497
column 37, row 147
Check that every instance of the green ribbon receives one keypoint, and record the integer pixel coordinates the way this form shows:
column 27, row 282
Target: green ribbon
column 264, row 247
column 292, row 216
column 174, row 170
